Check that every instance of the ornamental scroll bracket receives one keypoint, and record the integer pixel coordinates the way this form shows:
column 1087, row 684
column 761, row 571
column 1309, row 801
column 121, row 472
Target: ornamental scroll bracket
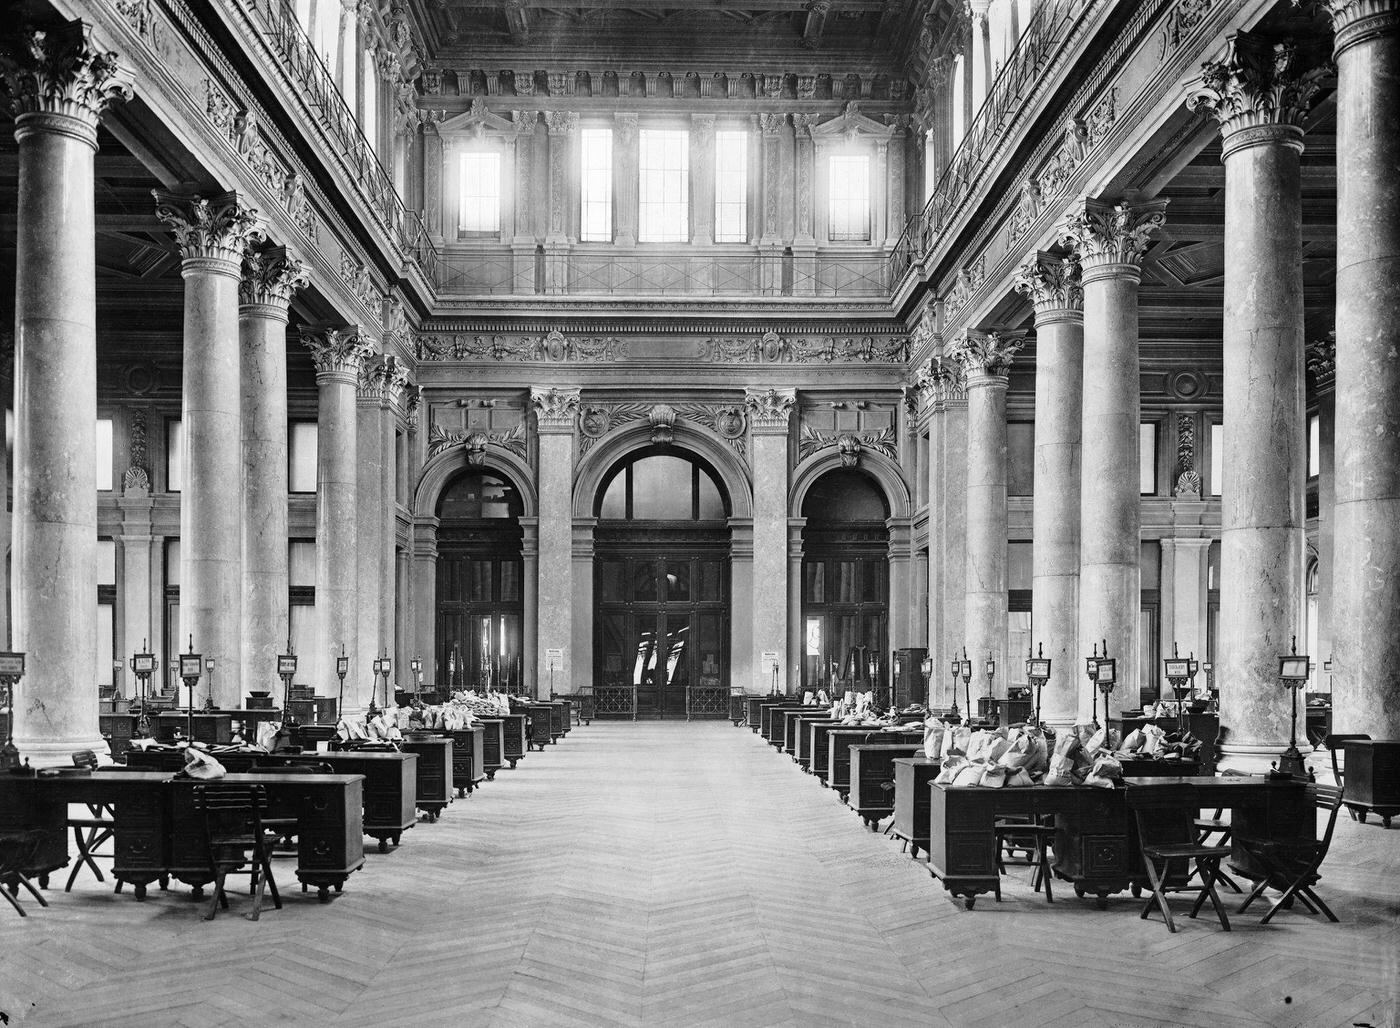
column 476, row 443
column 850, row 444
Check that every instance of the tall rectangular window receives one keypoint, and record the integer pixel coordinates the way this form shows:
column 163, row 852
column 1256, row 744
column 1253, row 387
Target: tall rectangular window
column 1147, row 458
column 104, row 454
column 301, row 457
column 480, row 193
column 731, row 187
column 1217, row 458
column 1314, row 446
column 174, row 455
column 595, row 185
column 663, row 191
column 848, row 196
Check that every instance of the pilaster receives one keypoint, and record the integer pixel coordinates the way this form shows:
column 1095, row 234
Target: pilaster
column 769, row 411
column 556, row 414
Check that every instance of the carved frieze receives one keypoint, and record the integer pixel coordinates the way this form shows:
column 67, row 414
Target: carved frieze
column 773, row 348
column 1026, row 211
column 1262, row 81
column 1182, row 18
column 60, row 71
column 969, row 279
column 1103, row 232
column 356, row 276
column 850, row 444
column 1188, row 481
column 476, row 443
column 219, row 228
column 554, row 348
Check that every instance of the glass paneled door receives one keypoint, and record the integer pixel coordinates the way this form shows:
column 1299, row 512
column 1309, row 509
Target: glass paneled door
column 662, row 626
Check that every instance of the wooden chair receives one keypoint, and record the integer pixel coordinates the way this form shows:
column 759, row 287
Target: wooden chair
column 1292, row 865
column 17, row 852
column 1016, row 834
column 1358, row 811
column 1214, row 825
column 1166, row 834
column 233, row 827
column 92, row 831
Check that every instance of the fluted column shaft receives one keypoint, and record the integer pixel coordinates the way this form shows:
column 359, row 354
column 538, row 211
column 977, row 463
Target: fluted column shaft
column 269, row 280
column 213, row 235
column 58, row 96
column 1366, row 603
column 1053, row 285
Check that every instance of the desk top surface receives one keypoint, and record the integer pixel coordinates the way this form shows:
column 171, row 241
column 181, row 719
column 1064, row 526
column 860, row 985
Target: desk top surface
column 1370, row 742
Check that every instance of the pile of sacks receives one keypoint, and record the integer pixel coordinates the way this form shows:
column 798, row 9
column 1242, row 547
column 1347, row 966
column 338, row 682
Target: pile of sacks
column 1152, row 741
column 988, row 758
column 1085, row 755
column 858, row 709
column 383, row 727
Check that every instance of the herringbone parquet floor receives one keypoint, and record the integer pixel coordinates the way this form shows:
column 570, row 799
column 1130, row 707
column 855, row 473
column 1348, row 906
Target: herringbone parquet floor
column 664, row 873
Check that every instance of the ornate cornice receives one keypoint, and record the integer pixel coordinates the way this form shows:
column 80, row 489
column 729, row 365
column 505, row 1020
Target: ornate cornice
column 337, row 350
column 1103, row 232
column 1052, row 283
column 213, row 230
column 1263, row 82
column 553, row 347
column 774, row 348
column 769, row 409
column 270, row 277
column 59, row 71
column 555, row 408
column 989, row 353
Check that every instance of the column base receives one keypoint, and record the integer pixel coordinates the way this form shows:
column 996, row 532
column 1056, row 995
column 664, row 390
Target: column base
column 59, row 752
column 1257, row 760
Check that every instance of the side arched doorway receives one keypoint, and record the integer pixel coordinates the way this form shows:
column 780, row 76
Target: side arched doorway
column 845, row 582
column 480, row 601
column 661, row 581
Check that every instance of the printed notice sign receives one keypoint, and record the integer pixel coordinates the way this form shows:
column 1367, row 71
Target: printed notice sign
column 769, row 662
column 554, row 659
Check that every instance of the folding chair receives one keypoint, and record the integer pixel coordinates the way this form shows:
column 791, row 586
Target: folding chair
column 1167, row 833
column 17, row 852
column 232, row 816
column 92, row 831
column 1292, row 865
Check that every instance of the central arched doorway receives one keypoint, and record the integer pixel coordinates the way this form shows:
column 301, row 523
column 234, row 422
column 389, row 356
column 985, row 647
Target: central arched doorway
column 480, row 587
column 845, row 582
column 661, row 579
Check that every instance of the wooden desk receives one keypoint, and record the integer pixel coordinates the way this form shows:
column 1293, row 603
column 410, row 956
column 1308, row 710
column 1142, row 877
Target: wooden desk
column 433, row 782
column 818, row 743
column 468, row 758
column 156, row 831
column 1205, row 727
column 540, row 717
column 912, row 777
column 840, row 740
column 515, row 731
column 771, row 721
column 805, row 737
column 787, row 724
column 494, row 744
column 872, row 778
column 212, row 729
column 1372, row 777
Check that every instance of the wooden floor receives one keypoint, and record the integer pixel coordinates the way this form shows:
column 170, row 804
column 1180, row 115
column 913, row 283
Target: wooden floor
column 665, row 873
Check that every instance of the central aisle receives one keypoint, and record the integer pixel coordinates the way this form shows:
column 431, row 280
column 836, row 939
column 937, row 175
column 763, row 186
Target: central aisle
column 664, row 872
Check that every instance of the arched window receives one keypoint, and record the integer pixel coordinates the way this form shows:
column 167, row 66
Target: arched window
column 662, row 487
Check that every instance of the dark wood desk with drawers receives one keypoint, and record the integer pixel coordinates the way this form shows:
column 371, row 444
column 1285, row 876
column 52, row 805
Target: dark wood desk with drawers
column 840, row 740
column 156, row 831
column 912, row 777
column 873, row 776
column 1372, row 777
column 468, row 758
column 433, row 780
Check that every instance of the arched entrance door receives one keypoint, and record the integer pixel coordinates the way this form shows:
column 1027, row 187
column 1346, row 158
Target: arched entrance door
column 845, row 582
column 661, row 580
column 480, row 595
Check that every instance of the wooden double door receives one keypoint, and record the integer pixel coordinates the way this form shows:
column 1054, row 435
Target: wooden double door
column 662, row 617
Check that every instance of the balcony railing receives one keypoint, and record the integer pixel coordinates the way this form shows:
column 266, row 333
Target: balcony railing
column 584, row 272
column 1047, row 30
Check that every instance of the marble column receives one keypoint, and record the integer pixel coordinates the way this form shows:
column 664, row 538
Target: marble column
column 1053, row 285
column 269, row 279
column 213, row 235
column 424, row 586
column 1110, row 240
column 338, row 352
column 390, row 599
column 556, row 411
column 702, row 143
column 1260, row 94
column 1366, row 576
column 952, row 508
column 59, row 85
column 986, row 362
column 769, row 411
column 625, row 170
column 369, row 532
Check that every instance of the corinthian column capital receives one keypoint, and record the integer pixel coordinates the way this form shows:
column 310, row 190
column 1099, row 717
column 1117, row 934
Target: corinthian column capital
column 1357, row 20
column 338, row 352
column 1263, row 83
column 270, row 277
column 769, row 409
column 1052, row 283
column 985, row 353
column 561, row 123
column 1103, row 232
column 213, row 233
column 58, row 71
column 555, row 409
